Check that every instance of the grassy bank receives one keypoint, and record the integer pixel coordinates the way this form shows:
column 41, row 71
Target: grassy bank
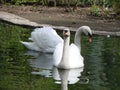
column 98, row 8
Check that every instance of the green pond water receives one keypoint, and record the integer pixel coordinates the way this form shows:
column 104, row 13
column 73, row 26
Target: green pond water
column 21, row 69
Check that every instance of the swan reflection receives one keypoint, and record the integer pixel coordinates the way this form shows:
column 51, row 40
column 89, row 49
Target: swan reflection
column 71, row 75
column 43, row 65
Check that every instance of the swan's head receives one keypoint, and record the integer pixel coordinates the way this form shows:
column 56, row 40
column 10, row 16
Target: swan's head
column 66, row 32
column 87, row 31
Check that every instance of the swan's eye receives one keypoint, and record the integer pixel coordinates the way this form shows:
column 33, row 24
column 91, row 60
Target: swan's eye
column 66, row 31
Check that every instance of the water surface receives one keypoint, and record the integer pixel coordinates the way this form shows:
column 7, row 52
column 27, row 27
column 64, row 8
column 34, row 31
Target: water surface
column 22, row 69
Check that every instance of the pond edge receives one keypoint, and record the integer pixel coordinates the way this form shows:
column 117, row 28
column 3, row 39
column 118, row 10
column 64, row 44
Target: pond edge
column 17, row 20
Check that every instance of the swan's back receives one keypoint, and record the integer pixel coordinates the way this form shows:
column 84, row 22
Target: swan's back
column 46, row 38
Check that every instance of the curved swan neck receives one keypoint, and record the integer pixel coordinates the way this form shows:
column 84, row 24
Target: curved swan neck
column 77, row 39
column 64, row 61
column 83, row 29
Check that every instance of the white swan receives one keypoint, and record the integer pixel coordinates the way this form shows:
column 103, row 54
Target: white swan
column 66, row 56
column 43, row 39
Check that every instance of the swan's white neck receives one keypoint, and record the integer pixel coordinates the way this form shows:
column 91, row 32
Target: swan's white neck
column 65, row 55
column 83, row 29
column 77, row 39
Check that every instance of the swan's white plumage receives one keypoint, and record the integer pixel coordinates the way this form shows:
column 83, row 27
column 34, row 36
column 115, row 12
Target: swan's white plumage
column 75, row 58
column 43, row 39
column 67, row 56
column 57, row 55
column 31, row 45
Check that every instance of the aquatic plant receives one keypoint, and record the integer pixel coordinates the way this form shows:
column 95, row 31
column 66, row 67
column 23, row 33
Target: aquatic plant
column 95, row 10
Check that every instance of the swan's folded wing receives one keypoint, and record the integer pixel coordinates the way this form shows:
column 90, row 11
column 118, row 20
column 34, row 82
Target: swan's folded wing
column 76, row 59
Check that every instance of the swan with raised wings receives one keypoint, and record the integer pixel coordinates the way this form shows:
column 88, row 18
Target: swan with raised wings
column 67, row 56
column 43, row 39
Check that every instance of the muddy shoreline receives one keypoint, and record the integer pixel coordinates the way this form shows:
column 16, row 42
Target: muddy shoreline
column 58, row 17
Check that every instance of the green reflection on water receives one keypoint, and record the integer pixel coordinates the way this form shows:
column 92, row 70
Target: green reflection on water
column 15, row 71
column 102, row 63
column 111, row 56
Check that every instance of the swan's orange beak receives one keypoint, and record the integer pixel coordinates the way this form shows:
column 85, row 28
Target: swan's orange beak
column 90, row 39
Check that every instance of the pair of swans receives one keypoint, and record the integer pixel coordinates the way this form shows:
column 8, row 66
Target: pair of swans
column 65, row 56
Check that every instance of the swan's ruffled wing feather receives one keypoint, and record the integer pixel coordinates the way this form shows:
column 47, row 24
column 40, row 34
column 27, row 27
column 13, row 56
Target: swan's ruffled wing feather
column 31, row 45
column 46, row 38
